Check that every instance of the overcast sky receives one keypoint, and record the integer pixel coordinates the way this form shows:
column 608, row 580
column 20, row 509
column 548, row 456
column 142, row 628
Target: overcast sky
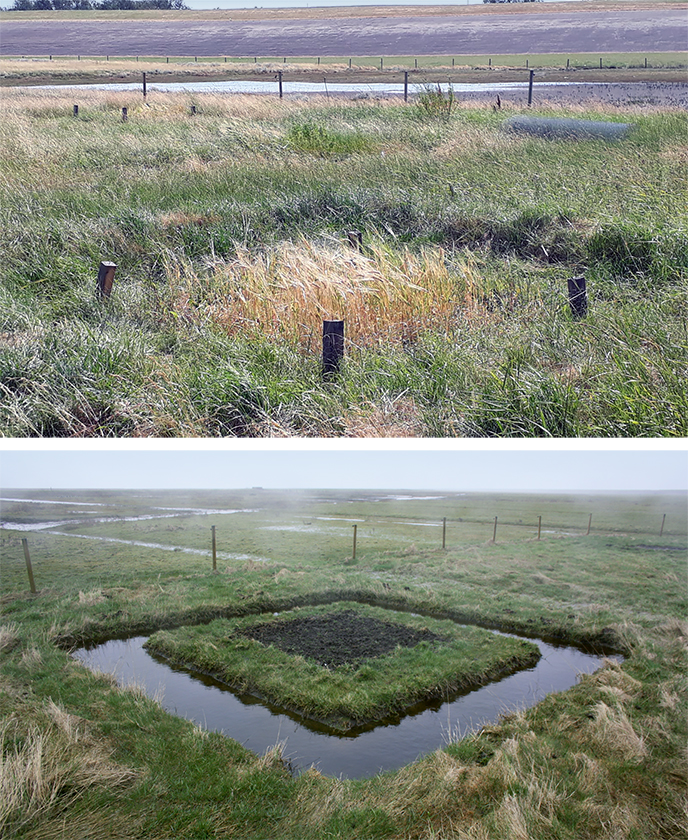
column 372, row 465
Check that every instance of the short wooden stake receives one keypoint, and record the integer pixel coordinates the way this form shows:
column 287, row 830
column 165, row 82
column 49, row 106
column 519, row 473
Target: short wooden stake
column 144, row 85
column 600, row 63
column 578, row 296
column 568, row 63
column 661, row 530
column 530, row 88
column 539, row 526
column 381, row 63
column 349, row 64
column 125, row 114
column 27, row 557
column 494, row 533
column 416, row 63
column 587, row 533
column 279, row 79
column 355, row 238
column 444, row 532
column 212, row 528
column 193, row 110
column 76, row 110
column 405, row 85
column 353, row 557
column 106, row 276
column 333, row 346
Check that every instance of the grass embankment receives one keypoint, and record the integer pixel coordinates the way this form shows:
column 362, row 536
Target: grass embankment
column 603, row 760
column 229, row 232
column 347, row 694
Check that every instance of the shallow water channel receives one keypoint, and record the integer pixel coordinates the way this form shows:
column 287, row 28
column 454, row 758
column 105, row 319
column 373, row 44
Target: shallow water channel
column 358, row 754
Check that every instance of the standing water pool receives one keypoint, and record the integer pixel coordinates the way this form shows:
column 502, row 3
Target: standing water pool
column 358, row 753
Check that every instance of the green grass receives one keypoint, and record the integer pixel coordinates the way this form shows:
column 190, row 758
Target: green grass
column 608, row 752
column 229, row 230
column 350, row 694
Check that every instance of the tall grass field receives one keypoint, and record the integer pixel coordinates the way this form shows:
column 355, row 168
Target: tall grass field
column 229, row 228
column 85, row 758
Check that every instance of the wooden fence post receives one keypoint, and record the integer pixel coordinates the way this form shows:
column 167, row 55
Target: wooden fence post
column 530, row 88
column 144, row 85
column 279, row 79
column 125, row 114
column 353, row 557
column 76, row 110
column 355, row 238
column 578, row 296
column 444, row 532
column 27, row 557
column 494, row 533
column 661, row 530
column 405, row 85
column 587, row 534
column 539, row 525
column 212, row 528
column 333, row 346
column 106, row 276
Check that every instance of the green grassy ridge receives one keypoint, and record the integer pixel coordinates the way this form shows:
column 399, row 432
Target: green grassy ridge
column 346, row 697
column 555, row 625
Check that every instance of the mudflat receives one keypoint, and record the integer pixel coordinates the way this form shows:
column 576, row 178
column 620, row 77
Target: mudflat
column 482, row 32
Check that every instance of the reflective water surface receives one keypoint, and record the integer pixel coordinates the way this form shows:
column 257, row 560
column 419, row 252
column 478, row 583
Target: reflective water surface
column 387, row 746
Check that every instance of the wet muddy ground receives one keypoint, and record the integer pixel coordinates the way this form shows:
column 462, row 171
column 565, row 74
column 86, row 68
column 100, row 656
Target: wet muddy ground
column 338, row 638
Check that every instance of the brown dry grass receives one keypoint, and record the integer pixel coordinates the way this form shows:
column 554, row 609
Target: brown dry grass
column 287, row 292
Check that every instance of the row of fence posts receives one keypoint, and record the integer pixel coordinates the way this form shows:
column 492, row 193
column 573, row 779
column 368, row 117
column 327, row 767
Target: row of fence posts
column 284, row 61
column 32, row 584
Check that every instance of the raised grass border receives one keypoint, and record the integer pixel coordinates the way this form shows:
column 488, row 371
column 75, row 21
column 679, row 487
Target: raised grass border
column 349, row 695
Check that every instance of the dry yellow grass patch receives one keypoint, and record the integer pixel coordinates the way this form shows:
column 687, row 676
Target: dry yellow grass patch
column 288, row 291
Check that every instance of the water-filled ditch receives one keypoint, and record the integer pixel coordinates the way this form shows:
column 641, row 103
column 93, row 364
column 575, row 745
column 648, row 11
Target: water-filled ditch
column 359, row 753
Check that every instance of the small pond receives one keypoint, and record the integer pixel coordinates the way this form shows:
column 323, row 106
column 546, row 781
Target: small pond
column 358, row 754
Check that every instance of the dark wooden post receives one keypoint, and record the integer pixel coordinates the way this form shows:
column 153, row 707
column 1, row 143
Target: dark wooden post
column 125, row 114
column 106, row 276
column 27, row 557
column 587, row 533
column 333, row 346
column 568, row 63
column 193, row 110
column 381, row 63
column 144, row 85
column 530, row 88
column 405, row 85
column 578, row 296
column 494, row 533
column 76, row 110
column 661, row 530
column 444, row 532
column 349, row 64
column 539, row 526
column 416, row 63
column 355, row 531
column 355, row 238
column 279, row 79
column 212, row 528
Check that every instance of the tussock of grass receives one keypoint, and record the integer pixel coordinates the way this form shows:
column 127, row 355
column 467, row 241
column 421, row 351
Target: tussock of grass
column 47, row 766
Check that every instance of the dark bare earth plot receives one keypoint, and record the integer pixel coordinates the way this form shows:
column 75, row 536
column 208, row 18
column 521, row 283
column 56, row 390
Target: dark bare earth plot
column 566, row 31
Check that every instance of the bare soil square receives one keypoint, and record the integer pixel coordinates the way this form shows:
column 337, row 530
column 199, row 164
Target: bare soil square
column 339, row 638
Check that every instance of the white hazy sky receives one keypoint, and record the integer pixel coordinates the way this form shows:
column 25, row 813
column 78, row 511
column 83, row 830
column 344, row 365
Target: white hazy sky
column 372, row 465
